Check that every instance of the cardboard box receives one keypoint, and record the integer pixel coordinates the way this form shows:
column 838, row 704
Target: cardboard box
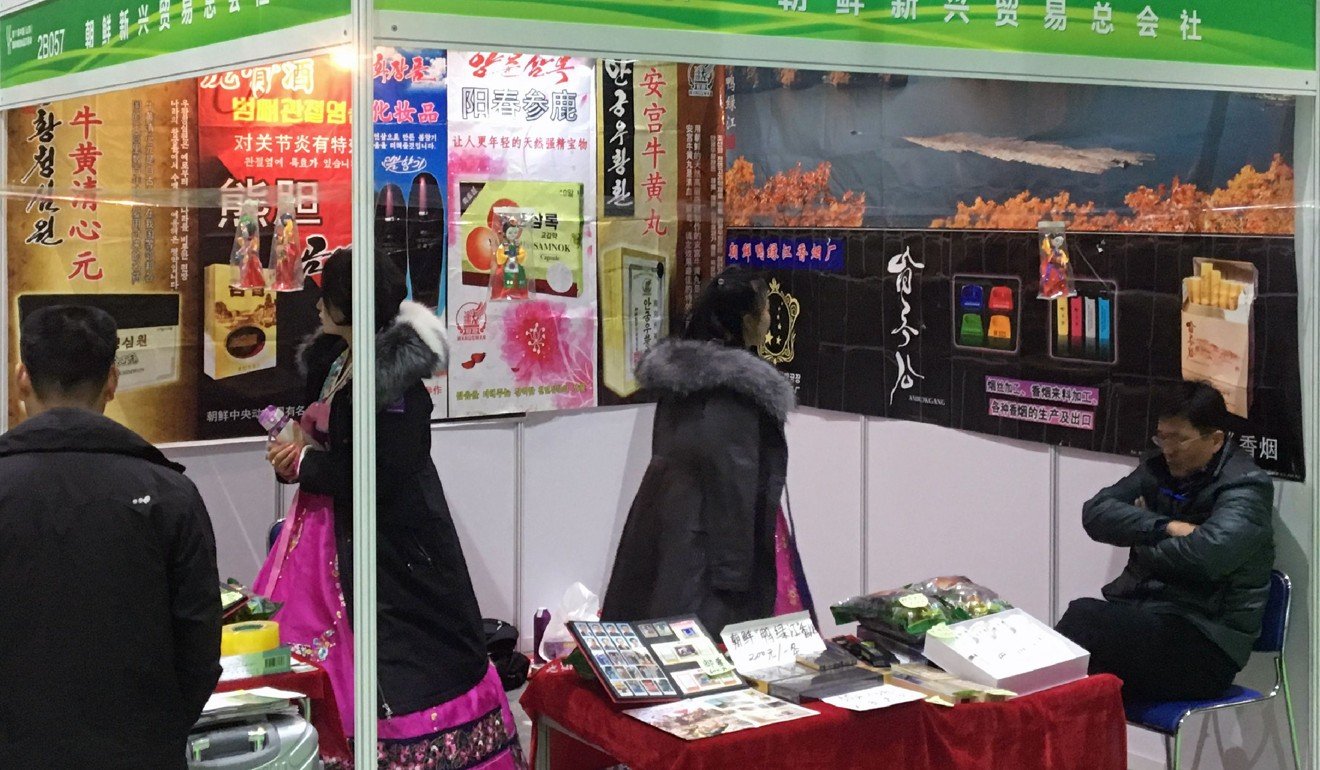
column 276, row 661
column 1009, row 650
column 240, row 327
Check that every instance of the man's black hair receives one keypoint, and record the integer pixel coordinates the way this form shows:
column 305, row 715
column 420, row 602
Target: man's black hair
column 68, row 350
column 1198, row 403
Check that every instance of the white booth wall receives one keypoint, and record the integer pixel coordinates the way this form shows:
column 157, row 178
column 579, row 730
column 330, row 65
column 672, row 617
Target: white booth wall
column 540, row 503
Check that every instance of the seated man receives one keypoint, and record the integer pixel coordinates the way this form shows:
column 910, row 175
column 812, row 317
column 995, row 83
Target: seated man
column 1180, row 621
column 110, row 627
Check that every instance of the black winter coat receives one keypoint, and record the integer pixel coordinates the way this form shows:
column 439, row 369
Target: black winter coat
column 431, row 642
column 1217, row 577
column 110, row 625
column 700, row 534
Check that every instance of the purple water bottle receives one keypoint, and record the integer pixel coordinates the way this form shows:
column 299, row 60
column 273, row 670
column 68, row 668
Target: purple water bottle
column 540, row 622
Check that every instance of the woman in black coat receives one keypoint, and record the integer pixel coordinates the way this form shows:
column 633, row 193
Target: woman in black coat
column 706, row 535
column 437, row 689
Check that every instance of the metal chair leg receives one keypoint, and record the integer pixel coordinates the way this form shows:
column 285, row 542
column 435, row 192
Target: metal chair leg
column 1174, row 745
column 1292, row 720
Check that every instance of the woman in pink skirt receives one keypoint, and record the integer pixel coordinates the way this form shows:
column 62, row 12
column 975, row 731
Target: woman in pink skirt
column 441, row 704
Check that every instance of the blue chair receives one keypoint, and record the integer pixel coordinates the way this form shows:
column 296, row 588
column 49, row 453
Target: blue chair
column 1167, row 717
column 274, row 533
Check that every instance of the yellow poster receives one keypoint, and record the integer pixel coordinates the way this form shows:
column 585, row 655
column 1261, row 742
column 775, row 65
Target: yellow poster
column 92, row 230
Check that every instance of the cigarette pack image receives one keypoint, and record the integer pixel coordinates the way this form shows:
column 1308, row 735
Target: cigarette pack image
column 240, row 327
column 1216, row 328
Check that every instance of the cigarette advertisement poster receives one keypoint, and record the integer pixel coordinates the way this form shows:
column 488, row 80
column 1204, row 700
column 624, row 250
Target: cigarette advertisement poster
column 1039, row 275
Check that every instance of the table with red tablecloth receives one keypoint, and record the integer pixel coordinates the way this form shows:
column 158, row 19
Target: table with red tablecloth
column 314, row 683
column 1076, row 726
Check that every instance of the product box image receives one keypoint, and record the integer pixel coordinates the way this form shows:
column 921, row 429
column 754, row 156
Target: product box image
column 239, row 325
column 1010, row 650
column 148, row 327
column 987, row 313
column 1217, row 326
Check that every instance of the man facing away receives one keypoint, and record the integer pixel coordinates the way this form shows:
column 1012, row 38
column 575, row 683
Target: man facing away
column 110, row 624
column 1180, row 621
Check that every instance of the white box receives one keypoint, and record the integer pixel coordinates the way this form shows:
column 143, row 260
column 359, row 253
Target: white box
column 1010, row 650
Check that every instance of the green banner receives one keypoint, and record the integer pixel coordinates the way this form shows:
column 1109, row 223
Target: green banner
column 63, row 37
column 1259, row 33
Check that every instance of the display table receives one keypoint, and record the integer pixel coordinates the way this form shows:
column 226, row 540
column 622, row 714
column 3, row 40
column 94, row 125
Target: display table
column 315, row 684
column 1078, row 726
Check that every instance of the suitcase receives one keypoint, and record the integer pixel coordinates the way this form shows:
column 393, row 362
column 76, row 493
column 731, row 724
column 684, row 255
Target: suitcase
column 263, row 742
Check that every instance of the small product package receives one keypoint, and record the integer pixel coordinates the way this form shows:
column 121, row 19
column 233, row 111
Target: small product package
column 247, row 271
column 1056, row 274
column 509, row 279
column 1217, row 328
column 286, row 248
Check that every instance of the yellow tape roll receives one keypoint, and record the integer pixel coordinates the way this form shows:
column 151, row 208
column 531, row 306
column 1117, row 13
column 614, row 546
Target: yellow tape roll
column 245, row 638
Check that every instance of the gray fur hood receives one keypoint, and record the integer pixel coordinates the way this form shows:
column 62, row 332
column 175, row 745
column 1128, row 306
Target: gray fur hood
column 684, row 367
column 413, row 348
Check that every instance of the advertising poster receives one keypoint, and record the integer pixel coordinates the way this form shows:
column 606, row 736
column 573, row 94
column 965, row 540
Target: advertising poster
column 411, row 155
column 522, row 233
column 68, row 245
column 660, row 167
column 275, row 138
column 913, row 290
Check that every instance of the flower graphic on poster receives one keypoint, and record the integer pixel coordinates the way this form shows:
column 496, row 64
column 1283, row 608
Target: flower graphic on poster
column 545, row 347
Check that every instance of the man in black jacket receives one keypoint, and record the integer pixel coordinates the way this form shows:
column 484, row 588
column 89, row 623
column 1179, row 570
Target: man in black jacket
column 1181, row 619
column 110, row 626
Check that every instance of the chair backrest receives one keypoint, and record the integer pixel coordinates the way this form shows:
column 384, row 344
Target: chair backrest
column 1274, row 626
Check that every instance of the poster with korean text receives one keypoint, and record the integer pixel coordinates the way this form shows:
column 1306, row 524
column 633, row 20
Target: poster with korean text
column 661, row 174
column 273, row 139
column 410, row 176
column 96, row 228
column 522, row 233
column 899, row 221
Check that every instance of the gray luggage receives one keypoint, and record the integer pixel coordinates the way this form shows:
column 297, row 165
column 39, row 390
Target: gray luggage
column 276, row 741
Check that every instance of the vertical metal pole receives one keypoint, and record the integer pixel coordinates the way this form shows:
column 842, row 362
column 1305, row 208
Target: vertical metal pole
column 6, row 366
column 364, row 396
column 1054, row 535
column 865, row 532
column 1308, row 278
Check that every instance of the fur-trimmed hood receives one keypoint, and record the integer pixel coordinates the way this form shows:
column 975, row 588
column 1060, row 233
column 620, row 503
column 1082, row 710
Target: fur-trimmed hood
column 684, row 367
column 413, row 348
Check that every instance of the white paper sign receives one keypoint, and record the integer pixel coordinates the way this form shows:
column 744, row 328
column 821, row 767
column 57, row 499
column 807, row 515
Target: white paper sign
column 873, row 698
column 773, row 642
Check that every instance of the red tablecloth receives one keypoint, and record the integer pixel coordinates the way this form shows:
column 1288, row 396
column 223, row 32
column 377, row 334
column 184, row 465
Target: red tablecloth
column 315, row 684
column 1078, row 726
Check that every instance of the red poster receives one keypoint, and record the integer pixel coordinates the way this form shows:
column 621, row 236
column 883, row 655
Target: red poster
column 272, row 133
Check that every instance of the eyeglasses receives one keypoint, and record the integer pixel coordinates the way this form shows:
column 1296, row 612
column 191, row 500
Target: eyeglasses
column 1173, row 445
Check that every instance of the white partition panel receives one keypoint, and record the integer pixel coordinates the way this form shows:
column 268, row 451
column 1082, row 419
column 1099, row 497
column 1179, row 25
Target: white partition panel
column 478, row 464
column 580, row 473
column 1083, row 564
column 942, row 502
column 825, row 494
column 239, row 489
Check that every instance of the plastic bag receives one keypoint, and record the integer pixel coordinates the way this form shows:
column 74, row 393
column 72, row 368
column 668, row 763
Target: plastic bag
column 962, row 598
column 579, row 603
column 286, row 248
column 1056, row 273
column 909, row 612
column 245, row 257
